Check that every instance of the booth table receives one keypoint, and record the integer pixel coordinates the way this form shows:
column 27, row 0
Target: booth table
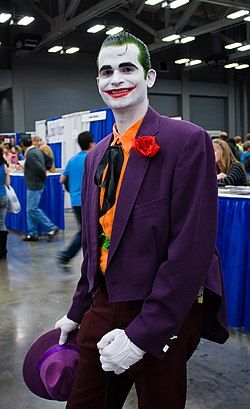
column 52, row 202
column 233, row 241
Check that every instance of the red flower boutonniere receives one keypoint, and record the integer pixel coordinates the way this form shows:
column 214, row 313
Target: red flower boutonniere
column 146, row 146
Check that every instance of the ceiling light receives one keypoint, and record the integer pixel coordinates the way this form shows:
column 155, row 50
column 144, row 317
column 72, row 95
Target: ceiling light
column 182, row 61
column 195, row 62
column 238, row 14
column 152, row 2
column 4, row 17
column 114, row 31
column 55, row 49
column 231, row 65
column 171, row 37
column 96, row 28
column 242, row 66
column 72, row 50
column 244, row 47
column 164, row 4
column 233, row 45
column 178, row 3
column 25, row 21
column 188, row 39
column 247, row 18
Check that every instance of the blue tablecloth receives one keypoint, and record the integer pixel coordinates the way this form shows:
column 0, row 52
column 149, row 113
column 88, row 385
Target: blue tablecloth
column 52, row 203
column 233, row 241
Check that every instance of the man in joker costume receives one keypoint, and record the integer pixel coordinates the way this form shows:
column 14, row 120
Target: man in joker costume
column 151, row 283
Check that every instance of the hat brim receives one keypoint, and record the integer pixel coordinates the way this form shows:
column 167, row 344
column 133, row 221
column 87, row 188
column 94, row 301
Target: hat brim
column 31, row 374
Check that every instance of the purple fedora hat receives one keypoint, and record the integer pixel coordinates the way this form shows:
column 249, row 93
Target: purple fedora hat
column 49, row 369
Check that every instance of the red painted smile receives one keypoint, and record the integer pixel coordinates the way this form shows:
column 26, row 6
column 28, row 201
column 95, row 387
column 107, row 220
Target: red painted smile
column 119, row 93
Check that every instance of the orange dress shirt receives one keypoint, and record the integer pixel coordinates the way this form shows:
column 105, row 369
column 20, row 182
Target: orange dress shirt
column 106, row 221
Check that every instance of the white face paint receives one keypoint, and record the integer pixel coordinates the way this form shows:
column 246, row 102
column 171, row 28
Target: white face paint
column 121, row 78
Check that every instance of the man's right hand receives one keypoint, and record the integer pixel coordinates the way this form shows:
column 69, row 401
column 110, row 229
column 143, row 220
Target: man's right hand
column 66, row 326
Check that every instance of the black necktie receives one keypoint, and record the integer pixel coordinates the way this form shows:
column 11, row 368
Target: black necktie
column 113, row 157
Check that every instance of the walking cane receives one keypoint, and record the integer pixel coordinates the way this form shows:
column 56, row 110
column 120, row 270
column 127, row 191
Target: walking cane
column 109, row 390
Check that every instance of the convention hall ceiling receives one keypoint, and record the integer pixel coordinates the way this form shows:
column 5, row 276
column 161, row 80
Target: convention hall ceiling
column 65, row 23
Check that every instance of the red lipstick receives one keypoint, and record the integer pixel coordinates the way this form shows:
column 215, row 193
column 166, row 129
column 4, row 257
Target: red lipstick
column 119, row 92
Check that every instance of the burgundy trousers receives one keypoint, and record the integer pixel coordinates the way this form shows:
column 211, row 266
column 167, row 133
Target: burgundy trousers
column 160, row 384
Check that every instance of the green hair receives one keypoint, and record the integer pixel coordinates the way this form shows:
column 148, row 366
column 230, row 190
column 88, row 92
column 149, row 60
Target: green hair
column 125, row 38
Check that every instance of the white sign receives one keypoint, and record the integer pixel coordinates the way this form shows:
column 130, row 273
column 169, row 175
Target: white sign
column 94, row 116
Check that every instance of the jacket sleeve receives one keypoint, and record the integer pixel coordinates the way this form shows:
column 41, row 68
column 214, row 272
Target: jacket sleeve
column 193, row 225
column 82, row 298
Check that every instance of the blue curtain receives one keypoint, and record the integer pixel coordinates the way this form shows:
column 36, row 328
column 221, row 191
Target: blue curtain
column 233, row 241
column 100, row 129
column 57, row 152
column 52, row 203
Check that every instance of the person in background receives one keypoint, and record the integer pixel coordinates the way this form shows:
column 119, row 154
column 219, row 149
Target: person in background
column 14, row 158
column 35, row 176
column 239, row 146
column 35, row 140
column 248, row 137
column 245, row 158
column 231, row 142
column 150, row 286
column 19, row 152
column 72, row 179
column 229, row 170
column 48, row 151
column 7, row 154
column 4, row 181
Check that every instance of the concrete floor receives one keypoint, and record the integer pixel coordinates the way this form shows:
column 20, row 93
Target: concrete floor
column 35, row 291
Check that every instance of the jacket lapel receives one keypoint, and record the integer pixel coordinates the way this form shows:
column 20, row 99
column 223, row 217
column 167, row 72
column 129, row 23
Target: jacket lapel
column 133, row 178
column 94, row 206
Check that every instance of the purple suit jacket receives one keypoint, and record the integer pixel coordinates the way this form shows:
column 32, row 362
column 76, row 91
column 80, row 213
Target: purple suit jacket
column 162, row 248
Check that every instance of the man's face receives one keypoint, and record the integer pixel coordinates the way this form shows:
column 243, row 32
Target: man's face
column 121, row 78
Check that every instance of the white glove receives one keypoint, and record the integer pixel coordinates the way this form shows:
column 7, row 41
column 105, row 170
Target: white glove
column 117, row 352
column 66, row 325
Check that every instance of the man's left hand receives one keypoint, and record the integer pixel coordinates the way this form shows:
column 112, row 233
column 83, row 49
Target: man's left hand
column 117, row 352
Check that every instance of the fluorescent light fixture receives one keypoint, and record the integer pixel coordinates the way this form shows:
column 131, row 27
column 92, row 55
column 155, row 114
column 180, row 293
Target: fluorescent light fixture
column 72, row 50
column 153, row 2
column 171, row 37
column 195, row 62
column 25, row 21
column 188, row 39
column 96, row 28
column 232, row 46
column 4, row 17
column 178, row 3
column 242, row 66
column 55, row 49
column 182, row 61
column 231, row 65
column 238, row 14
column 247, row 18
column 114, row 31
column 244, row 47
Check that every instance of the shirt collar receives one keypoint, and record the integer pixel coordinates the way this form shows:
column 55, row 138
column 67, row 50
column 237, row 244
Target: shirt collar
column 127, row 137
column 30, row 147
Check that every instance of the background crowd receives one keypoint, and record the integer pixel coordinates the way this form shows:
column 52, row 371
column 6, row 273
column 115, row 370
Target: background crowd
column 232, row 157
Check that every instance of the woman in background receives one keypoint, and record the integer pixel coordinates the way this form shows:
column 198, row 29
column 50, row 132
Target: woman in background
column 7, row 154
column 229, row 170
column 4, row 180
column 48, row 151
